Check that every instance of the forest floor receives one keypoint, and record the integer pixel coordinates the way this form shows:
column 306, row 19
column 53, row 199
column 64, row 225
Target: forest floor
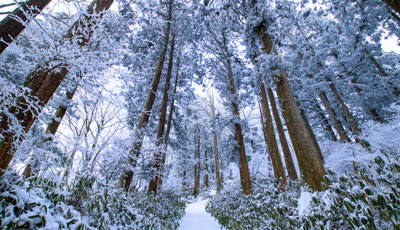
column 196, row 217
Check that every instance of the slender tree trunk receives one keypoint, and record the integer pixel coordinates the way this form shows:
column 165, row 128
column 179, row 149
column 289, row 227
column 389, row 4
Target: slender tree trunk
column 243, row 165
column 262, row 120
column 206, row 182
column 215, row 142
column 217, row 164
column 221, row 168
column 127, row 174
column 269, row 161
column 43, row 82
column 169, row 124
column 60, row 113
column 338, row 126
column 197, row 165
column 311, row 166
column 349, row 118
column 382, row 72
column 284, row 144
column 184, row 185
column 352, row 121
column 156, row 167
column 279, row 171
column 325, row 123
column 15, row 22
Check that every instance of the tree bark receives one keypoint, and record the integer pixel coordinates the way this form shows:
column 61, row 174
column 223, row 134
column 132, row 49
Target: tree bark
column 169, row 124
column 352, row 121
column 215, row 143
column 243, row 165
column 60, row 113
column 197, row 165
column 284, row 144
column 15, row 22
column 325, row 123
column 311, row 166
column 205, row 166
column 156, row 167
column 127, row 174
column 279, row 171
column 338, row 126
column 43, row 82
column 218, row 178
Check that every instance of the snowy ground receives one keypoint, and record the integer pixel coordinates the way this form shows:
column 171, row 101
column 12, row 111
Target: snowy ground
column 196, row 217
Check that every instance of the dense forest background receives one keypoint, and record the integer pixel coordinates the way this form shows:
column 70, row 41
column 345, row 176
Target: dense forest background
column 116, row 114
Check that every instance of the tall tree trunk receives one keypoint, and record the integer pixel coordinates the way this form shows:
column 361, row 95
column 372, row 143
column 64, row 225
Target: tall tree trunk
column 311, row 166
column 311, row 132
column 215, row 143
column 184, row 184
column 338, row 126
column 156, row 167
column 218, row 178
column 279, row 171
column 127, row 174
column 43, row 82
column 197, row 165
column 169, row 124
column 15, row 22
column 284, row 144
column 60, row 113
column 205, row 166
column 326, row 125
column 348, row 115
column 269, row 161
column 378, row 66
column 350, row 118
column 243, row 165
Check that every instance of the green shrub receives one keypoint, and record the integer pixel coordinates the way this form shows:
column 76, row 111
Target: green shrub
column 39, row 205
column 368, row 197
column 139, row 210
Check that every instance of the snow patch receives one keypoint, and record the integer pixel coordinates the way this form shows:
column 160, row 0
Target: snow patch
column 196, row 217
column 304, row 202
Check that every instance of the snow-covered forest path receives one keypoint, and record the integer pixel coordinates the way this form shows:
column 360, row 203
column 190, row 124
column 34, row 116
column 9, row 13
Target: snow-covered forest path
column 196, row 217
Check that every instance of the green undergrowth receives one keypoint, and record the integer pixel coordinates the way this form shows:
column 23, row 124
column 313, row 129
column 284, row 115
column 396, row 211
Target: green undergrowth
column 367, row 197
column 137, row 210
column 47, row 204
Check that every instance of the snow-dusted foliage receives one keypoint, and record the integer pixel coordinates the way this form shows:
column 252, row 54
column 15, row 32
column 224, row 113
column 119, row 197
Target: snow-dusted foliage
column 322, row 59
column 266, row 208
column 137, row 210
column 45, row 204
column 366, row 196
column 39, row 205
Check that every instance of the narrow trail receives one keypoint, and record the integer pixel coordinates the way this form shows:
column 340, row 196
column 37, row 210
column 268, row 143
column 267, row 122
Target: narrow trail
column 196, row 217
